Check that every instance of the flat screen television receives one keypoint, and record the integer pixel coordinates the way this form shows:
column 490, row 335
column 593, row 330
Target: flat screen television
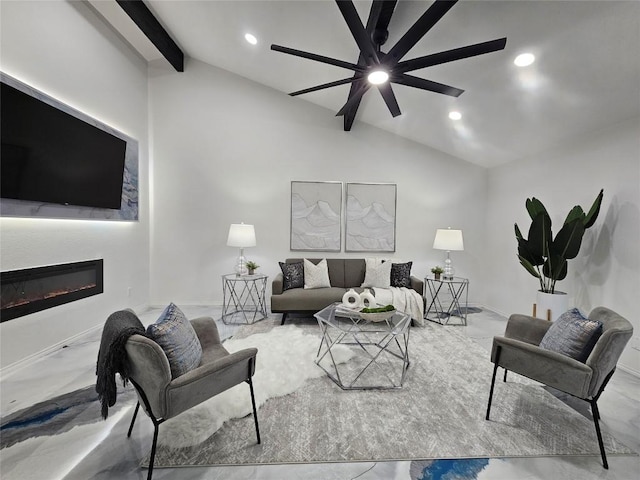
column 51, row 156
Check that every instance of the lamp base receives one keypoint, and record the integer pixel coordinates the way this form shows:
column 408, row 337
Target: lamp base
column 448, row 269
column 241, row 265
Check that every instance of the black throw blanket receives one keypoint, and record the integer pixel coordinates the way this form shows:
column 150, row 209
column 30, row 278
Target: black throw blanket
column 112, row 357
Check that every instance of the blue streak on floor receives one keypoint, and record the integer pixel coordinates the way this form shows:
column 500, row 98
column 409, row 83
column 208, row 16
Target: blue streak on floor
column 38, row 419
column 55, row 415
column 457, row 469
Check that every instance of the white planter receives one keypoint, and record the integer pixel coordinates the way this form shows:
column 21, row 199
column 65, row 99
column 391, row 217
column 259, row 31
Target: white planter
column 557, row 302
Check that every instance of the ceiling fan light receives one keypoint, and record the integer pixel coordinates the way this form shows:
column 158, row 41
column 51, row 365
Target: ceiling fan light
column 524, row 59
column 378, row 77
column 250, row 38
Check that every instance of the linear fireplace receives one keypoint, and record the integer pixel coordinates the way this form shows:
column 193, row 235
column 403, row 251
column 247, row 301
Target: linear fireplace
column 33, row 289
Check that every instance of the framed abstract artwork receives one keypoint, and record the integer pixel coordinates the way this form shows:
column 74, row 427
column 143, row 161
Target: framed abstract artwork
column 370, row 217
column 316, row 216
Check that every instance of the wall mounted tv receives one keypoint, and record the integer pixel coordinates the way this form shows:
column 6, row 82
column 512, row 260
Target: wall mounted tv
column 51, row 156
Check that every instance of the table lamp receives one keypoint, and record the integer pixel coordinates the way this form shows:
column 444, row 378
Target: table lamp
column 241, row 235
column 448, row 240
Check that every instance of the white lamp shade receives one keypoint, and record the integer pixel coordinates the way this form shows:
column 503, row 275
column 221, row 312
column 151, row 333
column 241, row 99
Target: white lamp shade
column 241, row 235
column 448, row 239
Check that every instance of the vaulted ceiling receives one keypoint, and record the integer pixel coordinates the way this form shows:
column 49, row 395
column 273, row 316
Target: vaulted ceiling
column 586, row 76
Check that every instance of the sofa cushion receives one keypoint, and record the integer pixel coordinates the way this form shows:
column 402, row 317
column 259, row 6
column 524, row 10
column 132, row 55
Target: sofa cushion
column 303, row 300
column 316, row 276
column 573, row 335
column 401, row 274
column 377, row 275
column 293, row 274
column 354, row 272
column 336, row 272
column 175, row 334
column 336, row 269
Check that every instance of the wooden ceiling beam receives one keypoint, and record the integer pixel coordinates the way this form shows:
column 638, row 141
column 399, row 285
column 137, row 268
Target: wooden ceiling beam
column 150, row 26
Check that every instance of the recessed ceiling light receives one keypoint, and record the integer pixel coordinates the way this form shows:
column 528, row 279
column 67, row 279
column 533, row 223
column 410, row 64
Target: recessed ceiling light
column 250, row 38
column 524, row 59
column 378, row 77
column 455, row 115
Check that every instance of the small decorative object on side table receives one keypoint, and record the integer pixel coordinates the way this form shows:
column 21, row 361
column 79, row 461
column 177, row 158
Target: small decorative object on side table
column 437, row 270
column 243, row 296
column 252, row 267
column 454, row 294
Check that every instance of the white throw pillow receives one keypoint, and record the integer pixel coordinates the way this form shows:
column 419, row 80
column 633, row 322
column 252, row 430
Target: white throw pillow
column 373, row 260
column 377, row 275
column 316, row 276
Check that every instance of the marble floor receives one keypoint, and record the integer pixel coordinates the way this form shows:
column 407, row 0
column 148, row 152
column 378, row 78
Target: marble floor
column 51, row 428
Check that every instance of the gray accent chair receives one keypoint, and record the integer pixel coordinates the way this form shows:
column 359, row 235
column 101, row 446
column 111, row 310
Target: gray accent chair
column 519, row 352
column 163, row 397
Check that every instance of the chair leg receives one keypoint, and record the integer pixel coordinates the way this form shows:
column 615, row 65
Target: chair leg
column 505, row 375
column 596, row 415
column 493, row 382
column 153, row 450
column 255, row 412
column 284, row 318
column 133, row 420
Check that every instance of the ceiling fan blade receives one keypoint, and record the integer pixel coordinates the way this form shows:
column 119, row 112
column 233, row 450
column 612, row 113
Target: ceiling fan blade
column 451, row 55
column 390, row 99
column 421, row 83
column 324, row 85
column 428, row 19
column 318, row 58
column 354, row 99
column 350, row 114
column 360, row 35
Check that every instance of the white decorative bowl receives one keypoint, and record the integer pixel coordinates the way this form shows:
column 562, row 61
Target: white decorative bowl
column 377, row 317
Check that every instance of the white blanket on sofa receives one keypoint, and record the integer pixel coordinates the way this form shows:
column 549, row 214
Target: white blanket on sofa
column 404, row 299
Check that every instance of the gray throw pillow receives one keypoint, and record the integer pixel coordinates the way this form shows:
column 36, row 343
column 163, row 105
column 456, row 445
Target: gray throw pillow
column 175, row 334
column 293, row 274
column 401, row 274
column 573, row 335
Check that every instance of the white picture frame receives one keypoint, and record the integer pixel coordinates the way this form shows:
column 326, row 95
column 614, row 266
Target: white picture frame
column 316, row 216
column 370, row 217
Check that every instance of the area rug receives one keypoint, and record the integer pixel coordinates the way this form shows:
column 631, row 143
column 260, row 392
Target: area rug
column 285, row 362
column 439, row 413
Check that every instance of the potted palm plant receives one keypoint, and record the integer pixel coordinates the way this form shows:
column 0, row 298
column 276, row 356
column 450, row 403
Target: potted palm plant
column 545, row 256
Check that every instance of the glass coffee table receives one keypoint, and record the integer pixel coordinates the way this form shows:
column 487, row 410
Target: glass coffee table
column 380, row 350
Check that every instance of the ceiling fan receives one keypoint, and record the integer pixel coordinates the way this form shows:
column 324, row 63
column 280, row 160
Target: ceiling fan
column 378, row 68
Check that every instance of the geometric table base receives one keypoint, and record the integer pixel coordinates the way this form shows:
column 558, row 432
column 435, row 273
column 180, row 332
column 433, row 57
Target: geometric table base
column 380, row 349
column 446, row 298
column 243, row 298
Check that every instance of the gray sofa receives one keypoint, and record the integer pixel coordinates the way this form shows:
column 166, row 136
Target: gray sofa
column 344, row 274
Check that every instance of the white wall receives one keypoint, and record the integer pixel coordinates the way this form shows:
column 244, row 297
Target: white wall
column 63, row 49
column 225, row 150
column 607, row 270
